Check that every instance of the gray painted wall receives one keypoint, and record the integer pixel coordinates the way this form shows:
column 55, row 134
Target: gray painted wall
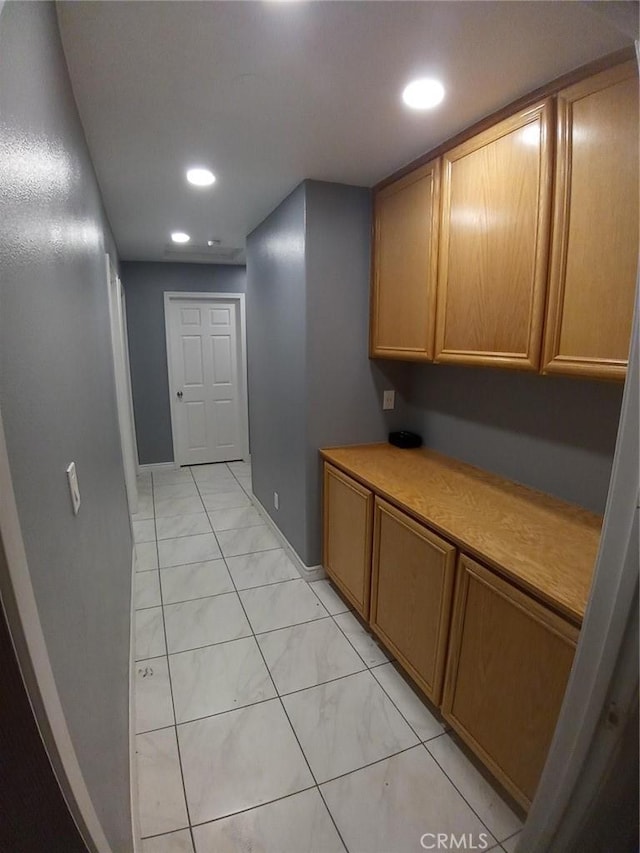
column 344, row 388
column 276, row 336
column 311, row 383
column 145, row 285
column 58, row 401
column 556, row 434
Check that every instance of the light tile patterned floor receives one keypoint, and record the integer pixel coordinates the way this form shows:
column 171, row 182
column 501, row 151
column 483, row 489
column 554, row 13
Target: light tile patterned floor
column 268, row 719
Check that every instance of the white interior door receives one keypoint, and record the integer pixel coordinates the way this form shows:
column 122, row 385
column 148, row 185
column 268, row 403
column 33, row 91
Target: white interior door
column 205, row 382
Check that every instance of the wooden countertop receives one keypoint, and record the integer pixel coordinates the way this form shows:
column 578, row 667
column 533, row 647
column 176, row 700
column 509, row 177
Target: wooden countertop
column 546, row 546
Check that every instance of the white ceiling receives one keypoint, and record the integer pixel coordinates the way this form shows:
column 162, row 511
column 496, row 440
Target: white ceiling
column 269, row 93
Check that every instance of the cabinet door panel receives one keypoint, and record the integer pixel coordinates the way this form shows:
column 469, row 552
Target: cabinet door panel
column 348, row 512
column 509, row 662
column 494, row 244
column 411, row 594
column 595, row 235
column 404, row 266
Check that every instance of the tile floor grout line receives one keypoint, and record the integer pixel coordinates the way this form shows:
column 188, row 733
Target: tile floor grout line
column 284, row 710
column 444, row 772
column 404, row 717
column 279, row 695
column 333, row 616
column 173, row 704
column 259, row 806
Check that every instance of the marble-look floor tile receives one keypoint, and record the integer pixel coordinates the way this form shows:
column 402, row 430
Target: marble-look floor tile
column 144, row 531
column 247, row 540
column 204, row 622
column 232, row 519
column 147, row 590
column 239, row 760
column 501, row 821
column 145, row 508
column 195, row 580
column 146, row 556
column 281, row 605
column 346, row 724
column 166, row 507
column 149, row 630
column 511, row 844
column 327, row 594
column 308, row 654
column 240, row 468
column 154, row 708
column 187, row 489
column 261, row 568
column 392, row 804
column 212, row 470
column 219, row 678
column 367, row 647
column 408, row 702
column 160, row 794
column 169, row 476
column 296, row 824
column 217, row 486
column 175, row 842
column 183, row 525
column 188, row 549
column 225, row 500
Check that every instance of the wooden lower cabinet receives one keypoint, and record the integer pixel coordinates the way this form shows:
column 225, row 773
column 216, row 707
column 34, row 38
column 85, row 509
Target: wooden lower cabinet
column 507, row 671
column 348, row 516
column 412, row 586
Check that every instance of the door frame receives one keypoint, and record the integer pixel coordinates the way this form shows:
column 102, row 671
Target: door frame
column 241, row 319
column 122, row 379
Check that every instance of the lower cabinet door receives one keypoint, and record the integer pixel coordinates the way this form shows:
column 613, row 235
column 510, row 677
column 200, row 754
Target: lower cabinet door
column 507, row 671
column 348, row 511
column 411, row 594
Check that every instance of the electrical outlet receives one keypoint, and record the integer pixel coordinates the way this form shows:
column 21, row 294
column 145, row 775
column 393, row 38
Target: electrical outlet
column 276, row 500
column 388, row 400
column 74, row 490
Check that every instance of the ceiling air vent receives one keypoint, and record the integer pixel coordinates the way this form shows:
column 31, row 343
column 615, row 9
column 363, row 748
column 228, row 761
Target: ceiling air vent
column 194, row 253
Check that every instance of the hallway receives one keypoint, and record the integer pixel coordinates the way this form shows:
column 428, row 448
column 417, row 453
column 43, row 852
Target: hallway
column 268, row 719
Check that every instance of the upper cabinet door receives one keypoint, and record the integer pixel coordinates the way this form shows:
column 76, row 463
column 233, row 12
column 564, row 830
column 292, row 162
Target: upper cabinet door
column 496, row 194
column 405, row 265
column 595, row 235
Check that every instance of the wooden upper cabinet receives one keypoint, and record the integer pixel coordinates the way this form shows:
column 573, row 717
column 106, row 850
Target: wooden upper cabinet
column 404, row 266
column 494, row 236
column 595, row 235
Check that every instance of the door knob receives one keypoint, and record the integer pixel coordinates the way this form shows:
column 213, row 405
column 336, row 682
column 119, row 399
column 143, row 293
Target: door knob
column 179, row 395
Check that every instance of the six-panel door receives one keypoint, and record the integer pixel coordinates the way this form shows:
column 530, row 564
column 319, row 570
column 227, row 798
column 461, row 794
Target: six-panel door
column 405, row 266
column 494, row 234
column 507, row 671
column 411, row 594
column 205, row 380
column 594, row 254
column 348, row 514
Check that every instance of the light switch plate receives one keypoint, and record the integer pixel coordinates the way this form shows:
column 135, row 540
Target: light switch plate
column 72, row 479
column 388, row 400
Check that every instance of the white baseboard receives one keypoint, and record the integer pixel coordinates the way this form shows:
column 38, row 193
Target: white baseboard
column 133, row 765
column 158, row 466
column 307, row 573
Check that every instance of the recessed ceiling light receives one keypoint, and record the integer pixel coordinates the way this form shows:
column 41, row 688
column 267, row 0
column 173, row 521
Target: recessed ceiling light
column 423, row 94
column 201, row 177
column 180, row 237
